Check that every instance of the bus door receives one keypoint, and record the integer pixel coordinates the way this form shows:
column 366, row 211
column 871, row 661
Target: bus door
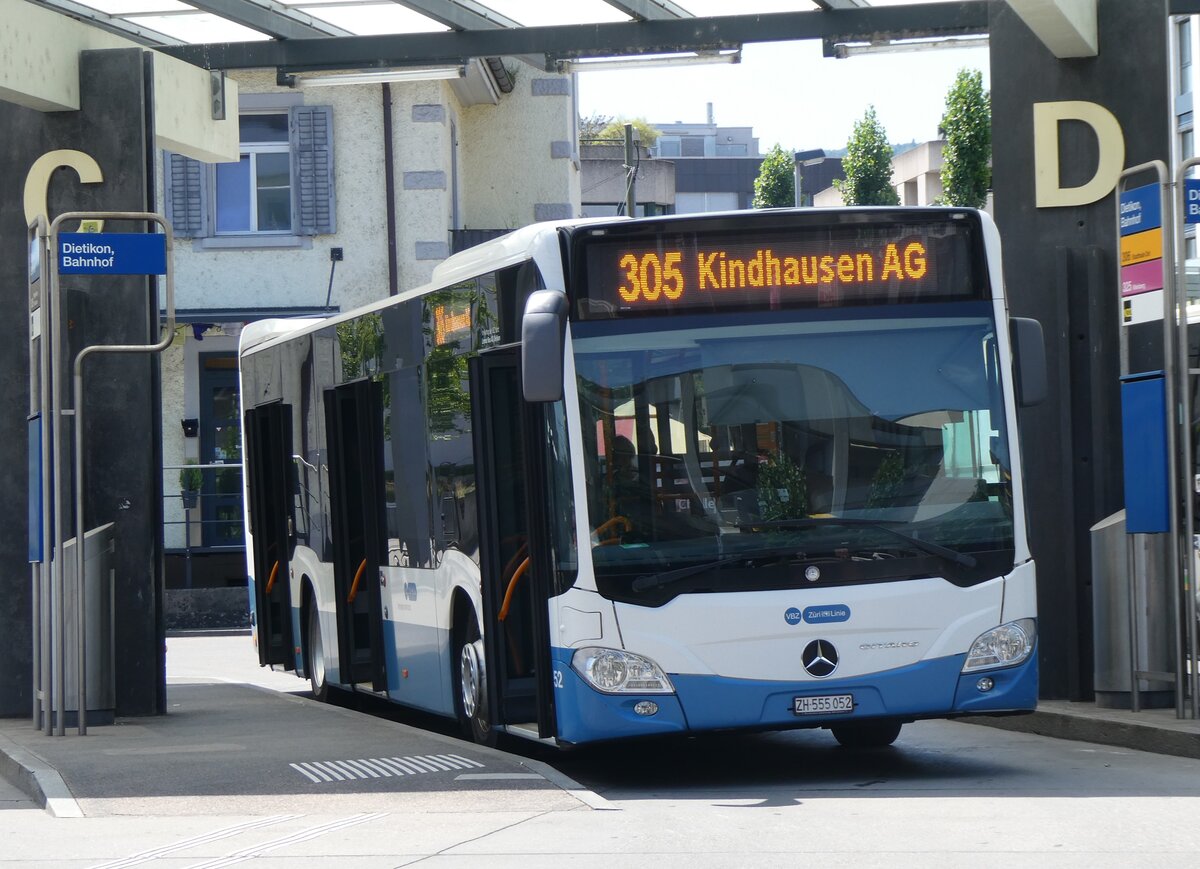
column 514, row 551
column 354, row 423
column 268, row 440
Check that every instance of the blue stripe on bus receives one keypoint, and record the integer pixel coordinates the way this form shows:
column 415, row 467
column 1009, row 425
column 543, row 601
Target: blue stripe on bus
column 926, row 689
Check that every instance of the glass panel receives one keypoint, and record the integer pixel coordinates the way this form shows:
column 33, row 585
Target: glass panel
column 785, row 440
column 262, row 128
column 233, row 196
column 274, row 210
column 273, row 170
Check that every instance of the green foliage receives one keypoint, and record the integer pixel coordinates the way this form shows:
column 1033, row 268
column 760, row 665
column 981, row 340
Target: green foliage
column 189, row 477
column 591, row 126
column 868, row 165
column 782, row 489
column 775, row 186
column 598, row 127
column 967, row 128
column 361, row 342
column 886, row 483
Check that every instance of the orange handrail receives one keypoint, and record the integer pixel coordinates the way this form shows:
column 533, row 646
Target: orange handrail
column 354, row 585
column 512, row 585
column 512, row 562
column 271, row 579
column 605, row 526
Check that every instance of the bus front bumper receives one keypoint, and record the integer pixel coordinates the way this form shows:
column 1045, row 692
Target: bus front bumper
column 927, row 689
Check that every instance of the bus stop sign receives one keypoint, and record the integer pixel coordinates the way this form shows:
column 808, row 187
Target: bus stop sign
column 1191, row 200
column 112, row 253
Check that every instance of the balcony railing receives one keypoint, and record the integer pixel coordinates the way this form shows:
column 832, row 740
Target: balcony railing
column 203, row 519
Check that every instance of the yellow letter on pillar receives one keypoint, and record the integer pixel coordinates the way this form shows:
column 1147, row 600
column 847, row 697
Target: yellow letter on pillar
column 37, row 181
column 1046, row 118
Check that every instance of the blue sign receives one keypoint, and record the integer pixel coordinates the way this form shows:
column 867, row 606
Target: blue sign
column 1141, row 209
column 834, row 612
column 1191, row 200
column 112, row 253
column 792, row 616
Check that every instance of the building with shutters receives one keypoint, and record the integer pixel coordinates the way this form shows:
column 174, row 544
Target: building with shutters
column 343, row 195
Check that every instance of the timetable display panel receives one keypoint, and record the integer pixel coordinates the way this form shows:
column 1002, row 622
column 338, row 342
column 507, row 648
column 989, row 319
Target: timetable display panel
column 693, row 266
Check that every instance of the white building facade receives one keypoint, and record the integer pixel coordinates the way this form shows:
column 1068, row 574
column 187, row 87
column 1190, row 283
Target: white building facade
column 343, row 195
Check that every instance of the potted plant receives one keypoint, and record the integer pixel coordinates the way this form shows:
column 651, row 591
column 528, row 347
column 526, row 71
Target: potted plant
column 189, row 484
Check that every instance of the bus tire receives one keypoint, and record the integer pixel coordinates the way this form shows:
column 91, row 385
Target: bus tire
column 315, row 657
column 870, row 734
column 470, row 672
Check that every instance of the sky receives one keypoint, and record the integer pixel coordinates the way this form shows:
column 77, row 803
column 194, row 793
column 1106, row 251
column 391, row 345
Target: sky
column 790, row 94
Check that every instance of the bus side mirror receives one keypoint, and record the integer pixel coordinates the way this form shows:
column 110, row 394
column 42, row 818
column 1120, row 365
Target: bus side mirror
column 1029, row 357
column 543, row 331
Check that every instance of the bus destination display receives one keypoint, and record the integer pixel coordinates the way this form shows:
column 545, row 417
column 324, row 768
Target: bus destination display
column 712, row 270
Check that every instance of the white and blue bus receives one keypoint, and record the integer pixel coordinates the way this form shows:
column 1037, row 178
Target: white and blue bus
column 615, row 478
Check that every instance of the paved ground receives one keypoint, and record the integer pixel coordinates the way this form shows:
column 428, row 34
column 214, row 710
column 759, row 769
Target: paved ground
column 247, row 746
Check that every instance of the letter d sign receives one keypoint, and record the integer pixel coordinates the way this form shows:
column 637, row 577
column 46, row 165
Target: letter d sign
column 1046, row 118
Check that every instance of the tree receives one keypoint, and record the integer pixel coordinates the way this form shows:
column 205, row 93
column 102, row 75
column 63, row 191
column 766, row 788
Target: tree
column 591, row 126
column 775, row 186
column 602, row 127
column 868, row 165
column 967, row 129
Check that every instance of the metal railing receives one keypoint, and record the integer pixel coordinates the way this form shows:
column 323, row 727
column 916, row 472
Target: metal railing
column 204, row 519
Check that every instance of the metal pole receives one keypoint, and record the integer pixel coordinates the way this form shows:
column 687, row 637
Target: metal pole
column 1187, row 470
column 58, row 687
column 1135, row 696
column 1170, row 378
column 631, row 170
column 166, row 334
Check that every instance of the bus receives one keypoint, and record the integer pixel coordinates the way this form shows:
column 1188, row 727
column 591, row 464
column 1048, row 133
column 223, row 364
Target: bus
column 614, row 478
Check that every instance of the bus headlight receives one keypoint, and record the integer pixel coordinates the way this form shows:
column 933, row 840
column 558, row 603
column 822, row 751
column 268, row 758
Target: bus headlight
column 616, row 672
column 1009, row 644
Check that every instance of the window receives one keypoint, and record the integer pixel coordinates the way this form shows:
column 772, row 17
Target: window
column 255, row 194
column 281, row 187
column 1183, row 34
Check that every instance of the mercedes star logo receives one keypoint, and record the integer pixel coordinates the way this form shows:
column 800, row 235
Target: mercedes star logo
column 820, row 658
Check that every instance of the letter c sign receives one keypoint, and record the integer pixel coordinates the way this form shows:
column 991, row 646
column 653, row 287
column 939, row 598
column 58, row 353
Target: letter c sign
column 1046, row 118
column 37, row 181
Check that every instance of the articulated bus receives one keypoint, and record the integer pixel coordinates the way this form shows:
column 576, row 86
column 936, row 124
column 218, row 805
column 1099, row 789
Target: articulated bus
column 613, row 478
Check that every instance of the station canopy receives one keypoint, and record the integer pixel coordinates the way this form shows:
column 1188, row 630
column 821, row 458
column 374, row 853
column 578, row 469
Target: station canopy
column 561, row 35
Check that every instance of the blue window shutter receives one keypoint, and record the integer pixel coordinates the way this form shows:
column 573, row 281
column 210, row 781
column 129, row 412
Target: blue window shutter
column 312, row 169
column 184, row 182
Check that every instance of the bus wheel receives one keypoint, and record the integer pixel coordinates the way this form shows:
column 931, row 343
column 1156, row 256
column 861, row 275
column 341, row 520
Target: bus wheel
column 875, row 734
column 316, row 656
column 472, row 687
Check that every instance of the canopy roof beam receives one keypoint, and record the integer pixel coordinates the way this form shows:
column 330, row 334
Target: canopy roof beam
column 609, row 39
column 271, row 18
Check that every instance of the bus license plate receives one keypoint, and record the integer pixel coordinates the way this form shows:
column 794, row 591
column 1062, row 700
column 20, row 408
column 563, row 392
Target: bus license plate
column 823, row 704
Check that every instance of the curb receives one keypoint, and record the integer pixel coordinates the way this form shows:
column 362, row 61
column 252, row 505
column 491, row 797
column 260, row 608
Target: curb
column 40, row 781
column 1131, row 735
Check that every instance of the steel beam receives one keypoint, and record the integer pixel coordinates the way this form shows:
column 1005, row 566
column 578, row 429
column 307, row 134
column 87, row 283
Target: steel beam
column 109, row 23
column 611, row 39
column 460, row 14
column 469, row 15
column 650, row 10
column 271, row 18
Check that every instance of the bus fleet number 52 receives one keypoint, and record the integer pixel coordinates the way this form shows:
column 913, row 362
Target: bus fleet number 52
column 650, row 277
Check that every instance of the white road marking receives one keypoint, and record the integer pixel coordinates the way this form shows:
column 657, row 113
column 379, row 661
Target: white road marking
column 253, row 851
column 216, row 836
column 323, row 771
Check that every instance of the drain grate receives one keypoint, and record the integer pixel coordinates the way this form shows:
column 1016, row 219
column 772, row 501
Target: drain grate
column 322, row 771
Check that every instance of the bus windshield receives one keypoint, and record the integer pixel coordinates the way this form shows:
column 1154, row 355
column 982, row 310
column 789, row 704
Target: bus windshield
column 790, row 449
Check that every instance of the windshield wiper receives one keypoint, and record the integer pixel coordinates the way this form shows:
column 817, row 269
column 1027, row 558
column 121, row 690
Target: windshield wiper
column 655, row 580
column 924, row 545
